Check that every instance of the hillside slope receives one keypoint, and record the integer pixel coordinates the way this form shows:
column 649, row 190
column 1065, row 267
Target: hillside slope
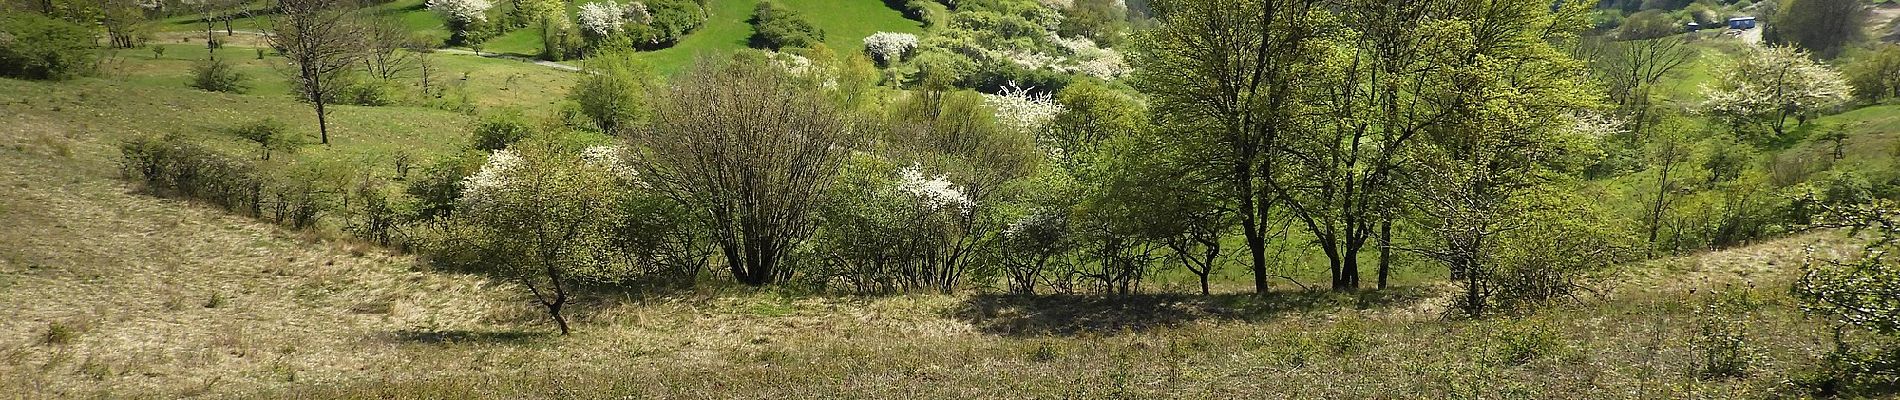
column 119, row 294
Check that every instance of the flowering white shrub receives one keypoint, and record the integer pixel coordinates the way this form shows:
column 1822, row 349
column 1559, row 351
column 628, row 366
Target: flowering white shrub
column 935, row 192
column 792, row 63
column 637, row 12
column 1022, row 109
column 491, row 179
column 1092, row 60
column 1770, row 84
column 1035, row 60
column 613, row 159
column 464, row 11
column 889, row 47
column 601, row 19
column 1597, row 125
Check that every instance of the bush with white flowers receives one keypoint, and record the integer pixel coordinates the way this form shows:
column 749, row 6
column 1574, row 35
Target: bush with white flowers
column 932, row 192
column 491, row 179
column 601, row 19
column 1022, row 108
column 462, row 11
column 889, row 47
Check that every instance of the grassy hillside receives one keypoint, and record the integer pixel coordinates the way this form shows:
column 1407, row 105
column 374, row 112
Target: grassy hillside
column 845, row 22
column 117, row 294
column 182, row 300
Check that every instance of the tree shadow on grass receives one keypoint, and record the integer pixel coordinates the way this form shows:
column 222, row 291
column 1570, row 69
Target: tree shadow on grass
column 1037, row 315
column 455, row 336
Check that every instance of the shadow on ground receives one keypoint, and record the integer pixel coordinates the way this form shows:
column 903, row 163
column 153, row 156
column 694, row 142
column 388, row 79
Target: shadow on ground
column 1037, row 315
column 454, row 336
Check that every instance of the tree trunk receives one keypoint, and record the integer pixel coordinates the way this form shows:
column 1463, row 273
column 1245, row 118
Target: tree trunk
column 554, row 309
column 1385, row 251
column 323, row 122
column 1250, row 223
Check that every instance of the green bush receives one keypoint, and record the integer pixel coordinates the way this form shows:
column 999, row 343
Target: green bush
column 215, row 75
column 496, row 132
column 174, row 166
column 36, row 47
column 776, row 27
column 270, row 135
column 1721, row 343
column 373, row 94
column 440, row 185
column 613, row 94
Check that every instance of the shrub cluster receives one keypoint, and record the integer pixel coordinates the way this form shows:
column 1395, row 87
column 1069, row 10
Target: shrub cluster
column 215, row 75
column 34, row 46
column 775, row 27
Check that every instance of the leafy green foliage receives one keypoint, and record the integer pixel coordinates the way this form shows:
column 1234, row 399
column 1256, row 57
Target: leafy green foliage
column 33, row 46
column 614, row 94
column 1875, row 73
column 270, row 135
column 775, row 27
column 215, row 75
column 498, row 131
column 1863, row 291
column 1822, row 27
column 534, row 215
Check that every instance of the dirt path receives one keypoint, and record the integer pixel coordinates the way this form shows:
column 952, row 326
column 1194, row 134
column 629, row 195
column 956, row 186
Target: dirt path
column 549, row 64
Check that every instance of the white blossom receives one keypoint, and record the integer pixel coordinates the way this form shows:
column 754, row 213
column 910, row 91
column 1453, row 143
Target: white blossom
column 1597, row 125
column 1772, row 80
column 792, row 63
column 1022, row 108
column 492, row 178
column 934, row 192
column 889, row 47
column 637, row 12
column 600, row 19
column 1091, row 59
column 1035, row 60
column 613, row 159
column 462, row 10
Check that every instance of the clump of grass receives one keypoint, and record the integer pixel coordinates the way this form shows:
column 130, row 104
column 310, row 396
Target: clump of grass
column 59, row 333
column 1045, row 352
column 217, row 300
column 1519, row 343
column 384, row 307
column 1346, row 337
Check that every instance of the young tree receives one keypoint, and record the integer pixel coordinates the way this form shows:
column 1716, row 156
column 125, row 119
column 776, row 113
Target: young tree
column 1768, row 86
column 390, row 50
column 123, row 21
column 322, row 39
column 749, row 150
column 1474, row 177
column 1861, row 291
column 1366, row 91
column 466, row 18
column 615, row 93
column 982, row 144
column 1218, row 76
column 1669, row 149
column 1631, row 69
column 541, row 215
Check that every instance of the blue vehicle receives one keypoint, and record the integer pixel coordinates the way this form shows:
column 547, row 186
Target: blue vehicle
column 1741, row 23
